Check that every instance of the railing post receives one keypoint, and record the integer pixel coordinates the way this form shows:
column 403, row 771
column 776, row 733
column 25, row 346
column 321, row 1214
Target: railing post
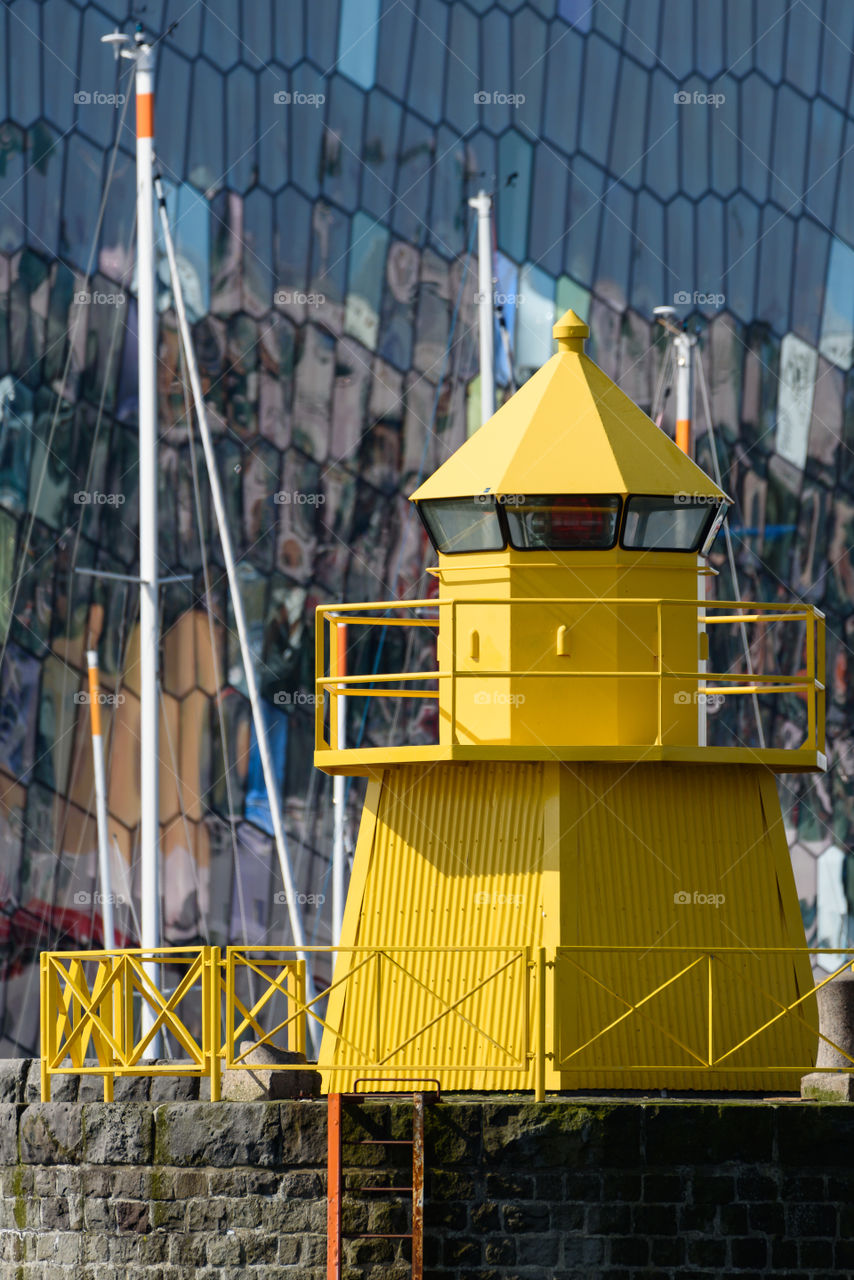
column 296, row 1009
column 711, row 1010
column 660, row 739
column 211, row 1043
column 377, row 1009
column 229, row 1006
column 319, row 673
column 126, row 986
column 118, row 1009
column 453, row 670
column 812, row 676
column 821, row 672
column 105, row 1013
column 48, row 1018
column 540, row 1026
column 333, row 695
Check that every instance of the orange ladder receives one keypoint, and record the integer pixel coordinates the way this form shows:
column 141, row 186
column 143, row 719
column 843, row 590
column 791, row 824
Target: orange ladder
column 335, row 1185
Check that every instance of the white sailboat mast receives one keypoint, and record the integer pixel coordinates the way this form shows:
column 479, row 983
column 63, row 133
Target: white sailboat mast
column 149, row 620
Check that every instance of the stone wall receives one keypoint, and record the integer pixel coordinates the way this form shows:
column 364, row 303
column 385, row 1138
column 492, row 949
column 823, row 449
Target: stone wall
column 558, row 1191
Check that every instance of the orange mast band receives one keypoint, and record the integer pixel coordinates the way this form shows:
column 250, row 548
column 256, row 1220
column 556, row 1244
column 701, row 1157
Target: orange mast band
column 683, row 435
column 145, row 115
column 94, row 701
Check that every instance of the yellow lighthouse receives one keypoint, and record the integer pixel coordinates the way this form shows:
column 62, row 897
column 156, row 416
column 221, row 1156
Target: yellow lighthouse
column 571, row 887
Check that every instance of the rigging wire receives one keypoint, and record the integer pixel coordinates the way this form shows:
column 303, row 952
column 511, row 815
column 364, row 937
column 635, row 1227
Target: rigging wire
column 209, row 603
column 662, row 389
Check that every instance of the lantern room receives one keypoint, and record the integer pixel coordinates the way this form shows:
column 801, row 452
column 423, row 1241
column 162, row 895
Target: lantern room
column 558, row 534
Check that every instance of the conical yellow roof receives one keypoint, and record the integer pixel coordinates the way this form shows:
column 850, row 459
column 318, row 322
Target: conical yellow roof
column 569, row 429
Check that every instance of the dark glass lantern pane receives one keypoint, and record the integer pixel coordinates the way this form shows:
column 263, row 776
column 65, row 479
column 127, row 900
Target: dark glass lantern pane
column 463, row 524
column 562, row 522
column 674, row 523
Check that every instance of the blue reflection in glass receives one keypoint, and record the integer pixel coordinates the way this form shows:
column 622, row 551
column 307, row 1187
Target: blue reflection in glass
column 207, row 130
column 506, row 292
column 357, row 39
column 825, row 145
column 367, row 257
column 578, row 13
column 514, row 194
column 776, row 245
column 23, row 61
column 189, row 219
column 462, row 83
column 173, row 103
column 60, row 81
column 837, row 324
column 536, row 312
column 742, row 230
column 16, row 438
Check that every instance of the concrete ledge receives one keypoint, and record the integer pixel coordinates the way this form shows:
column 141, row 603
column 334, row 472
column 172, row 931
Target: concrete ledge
column 828, row 1086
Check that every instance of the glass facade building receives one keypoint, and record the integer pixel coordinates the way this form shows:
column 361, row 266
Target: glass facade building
column 318, row 156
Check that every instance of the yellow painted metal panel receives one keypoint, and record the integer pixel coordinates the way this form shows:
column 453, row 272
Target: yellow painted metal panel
column 569, row 429
column 671, row 856
column 576, row 858
column 457, row 860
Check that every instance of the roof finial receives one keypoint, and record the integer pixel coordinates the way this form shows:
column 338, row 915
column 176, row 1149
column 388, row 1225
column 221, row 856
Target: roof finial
column 570, row 332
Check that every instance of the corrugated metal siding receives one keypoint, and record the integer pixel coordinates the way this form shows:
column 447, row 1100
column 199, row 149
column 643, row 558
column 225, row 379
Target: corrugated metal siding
column 633, row 839
column 457, row 860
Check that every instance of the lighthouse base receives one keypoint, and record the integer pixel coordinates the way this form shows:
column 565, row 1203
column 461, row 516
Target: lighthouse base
column 656, row 902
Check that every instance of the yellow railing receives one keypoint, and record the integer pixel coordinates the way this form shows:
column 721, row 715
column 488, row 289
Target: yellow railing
column 331, row 684
column 394, row 978
column 91, row 1000
column 707, row 1053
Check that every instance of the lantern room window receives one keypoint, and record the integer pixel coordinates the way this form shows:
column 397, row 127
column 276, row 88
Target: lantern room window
column 562, row 522
column 667, row 523
column 462, row 524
